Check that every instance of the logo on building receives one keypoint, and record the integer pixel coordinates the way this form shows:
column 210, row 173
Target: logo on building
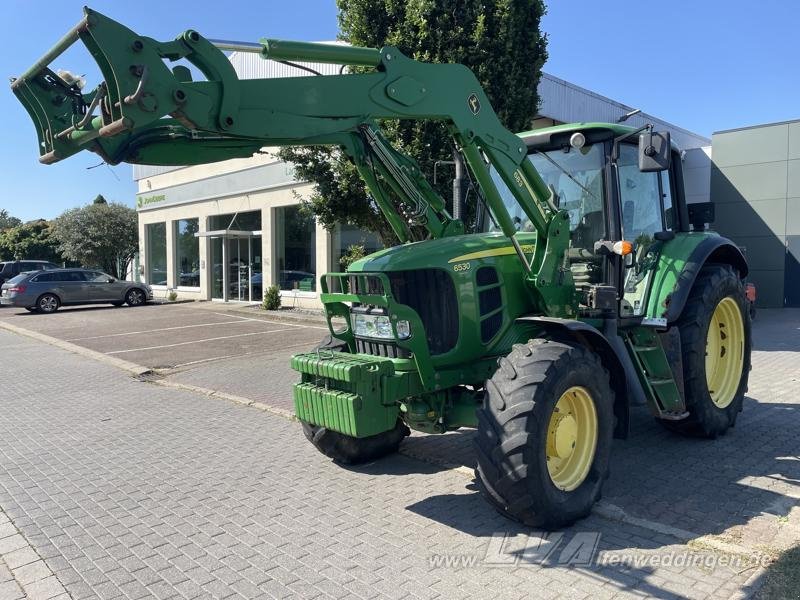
column 142, row 201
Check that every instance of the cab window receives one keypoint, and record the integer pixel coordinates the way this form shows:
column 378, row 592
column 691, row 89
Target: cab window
column 577, row 177
column 644, row 205
column 640, row 196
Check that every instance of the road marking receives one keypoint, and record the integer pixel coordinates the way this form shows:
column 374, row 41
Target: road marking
column 273, row 322
column 99, row 337
column 225, row 337
column 205, row 360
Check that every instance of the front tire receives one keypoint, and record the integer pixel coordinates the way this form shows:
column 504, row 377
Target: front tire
column 544, row 434
column 135, row 297
column 348, row 450
column 345, row 449
column 715, row 343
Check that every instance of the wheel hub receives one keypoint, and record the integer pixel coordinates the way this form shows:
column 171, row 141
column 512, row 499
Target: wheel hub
column 564, row 435
column 572, row 435
column 724, row 352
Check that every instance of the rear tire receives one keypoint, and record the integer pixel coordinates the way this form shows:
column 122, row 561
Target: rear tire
column 523, row 441
column 48, row 303
column 709, row 328
column 345, row 449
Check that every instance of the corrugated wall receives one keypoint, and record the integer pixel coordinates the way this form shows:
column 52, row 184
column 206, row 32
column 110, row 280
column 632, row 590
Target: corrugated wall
column 569, row 103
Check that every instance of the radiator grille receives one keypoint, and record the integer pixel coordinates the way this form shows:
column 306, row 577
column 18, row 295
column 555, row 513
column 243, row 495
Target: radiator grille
column 432, row 294
column 378, row 348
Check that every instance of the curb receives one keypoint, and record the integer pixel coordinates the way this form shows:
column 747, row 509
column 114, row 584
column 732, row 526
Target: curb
column 133, row 368
column 281, row 412
column 276, row 315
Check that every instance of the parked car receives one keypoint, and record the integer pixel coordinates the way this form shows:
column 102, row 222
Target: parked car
column 12, row 268
column 46, row 291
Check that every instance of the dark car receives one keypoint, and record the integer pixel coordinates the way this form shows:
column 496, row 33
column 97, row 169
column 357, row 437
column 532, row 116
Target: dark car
column 12, row 268
column 46, row 291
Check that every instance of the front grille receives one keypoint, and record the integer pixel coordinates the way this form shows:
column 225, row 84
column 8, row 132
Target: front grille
column 432, row 294
column 379, row 348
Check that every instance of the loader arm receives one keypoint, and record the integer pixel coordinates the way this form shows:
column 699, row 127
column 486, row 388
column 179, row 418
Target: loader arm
column 148, row 113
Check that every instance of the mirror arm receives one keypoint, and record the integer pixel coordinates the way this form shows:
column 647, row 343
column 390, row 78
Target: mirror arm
column 625, row 136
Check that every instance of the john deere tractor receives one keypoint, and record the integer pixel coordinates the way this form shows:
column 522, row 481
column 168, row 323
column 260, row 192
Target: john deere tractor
column 583, row 285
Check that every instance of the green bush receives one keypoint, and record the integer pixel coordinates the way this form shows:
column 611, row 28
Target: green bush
column 272, row 299
column 173, row 295
column 354, row 253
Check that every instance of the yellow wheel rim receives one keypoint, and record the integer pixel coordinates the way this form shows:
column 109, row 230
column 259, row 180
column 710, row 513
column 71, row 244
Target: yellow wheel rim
column 571, row 438
column 724, row 352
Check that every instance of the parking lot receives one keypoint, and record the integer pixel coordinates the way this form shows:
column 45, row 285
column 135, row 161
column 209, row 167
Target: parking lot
column 735, row 496
column 181, row 341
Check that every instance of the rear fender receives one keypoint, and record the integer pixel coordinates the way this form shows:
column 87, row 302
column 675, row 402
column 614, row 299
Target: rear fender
column 679, row 264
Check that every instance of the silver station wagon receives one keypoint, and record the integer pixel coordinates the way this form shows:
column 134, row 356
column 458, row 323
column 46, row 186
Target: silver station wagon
column 47, row 291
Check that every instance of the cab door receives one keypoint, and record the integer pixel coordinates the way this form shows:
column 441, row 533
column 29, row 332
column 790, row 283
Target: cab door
column 647, row 221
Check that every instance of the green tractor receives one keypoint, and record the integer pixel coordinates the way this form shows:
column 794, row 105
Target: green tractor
column 583, row 285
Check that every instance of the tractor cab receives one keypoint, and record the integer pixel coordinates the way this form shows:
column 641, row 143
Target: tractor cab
column 597, row 177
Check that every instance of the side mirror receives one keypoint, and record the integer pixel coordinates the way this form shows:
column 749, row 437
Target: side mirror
column 110, row 280
column 655, row 151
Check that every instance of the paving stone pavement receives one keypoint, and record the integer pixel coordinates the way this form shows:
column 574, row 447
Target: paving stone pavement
column 130, row 490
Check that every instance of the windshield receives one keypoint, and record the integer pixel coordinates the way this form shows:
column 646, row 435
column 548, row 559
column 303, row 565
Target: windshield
column 18, row 278
column 576, row 175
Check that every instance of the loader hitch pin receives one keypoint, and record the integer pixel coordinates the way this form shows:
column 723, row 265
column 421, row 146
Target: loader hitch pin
column 134, row 97
column 98, row 97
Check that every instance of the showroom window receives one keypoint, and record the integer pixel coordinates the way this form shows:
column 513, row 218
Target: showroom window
column 187, row 252
column 156, row 236
column 295, row 249
column 344, row 237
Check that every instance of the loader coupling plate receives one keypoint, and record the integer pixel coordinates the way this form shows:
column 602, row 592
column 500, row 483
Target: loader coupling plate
column 345, row 392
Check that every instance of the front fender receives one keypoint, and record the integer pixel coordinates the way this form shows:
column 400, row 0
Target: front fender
column 679, row 264
column 609, row 347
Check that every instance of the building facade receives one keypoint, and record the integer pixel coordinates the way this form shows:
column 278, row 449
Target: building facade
column 755, row 184
column 226, row 231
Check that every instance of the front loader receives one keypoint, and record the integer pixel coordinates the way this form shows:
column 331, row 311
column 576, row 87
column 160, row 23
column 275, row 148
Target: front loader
column 584, row 285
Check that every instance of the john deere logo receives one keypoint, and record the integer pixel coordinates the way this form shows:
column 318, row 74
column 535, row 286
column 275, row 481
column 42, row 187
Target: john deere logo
column 474, row 104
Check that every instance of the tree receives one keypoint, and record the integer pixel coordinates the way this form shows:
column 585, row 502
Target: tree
column 31, row 240
column 498, row 39
column 104, row 236
column 7, row 221
column 99, row 199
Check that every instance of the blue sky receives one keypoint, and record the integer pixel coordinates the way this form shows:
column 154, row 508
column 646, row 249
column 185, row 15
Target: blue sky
column 704, row 66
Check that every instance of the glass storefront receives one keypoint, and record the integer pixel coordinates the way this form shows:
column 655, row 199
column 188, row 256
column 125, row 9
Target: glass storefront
column 343, row 237
column 236, row 257
column 295, row 249
column 187, row 252
column 156, row 240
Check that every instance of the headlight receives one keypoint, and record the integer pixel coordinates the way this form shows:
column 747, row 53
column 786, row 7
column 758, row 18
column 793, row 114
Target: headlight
column 403, row 330
column 376, row 326
column 379, row 326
